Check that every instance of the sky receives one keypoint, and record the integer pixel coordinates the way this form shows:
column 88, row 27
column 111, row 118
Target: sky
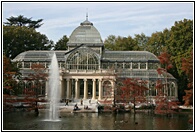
column 109, row 18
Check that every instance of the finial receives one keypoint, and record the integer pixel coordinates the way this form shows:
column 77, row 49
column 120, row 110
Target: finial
column 87, row 14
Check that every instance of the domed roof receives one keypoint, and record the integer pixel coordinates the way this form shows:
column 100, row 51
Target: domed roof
column 86, row 33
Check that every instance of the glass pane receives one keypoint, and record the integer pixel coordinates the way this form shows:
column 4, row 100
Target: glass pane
column 135, row 66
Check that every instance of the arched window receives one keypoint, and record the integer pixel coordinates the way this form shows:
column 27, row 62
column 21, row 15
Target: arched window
column 172, row 89
column 83, row 59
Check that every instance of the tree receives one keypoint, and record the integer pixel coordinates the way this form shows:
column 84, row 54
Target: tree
column 23, row 21
column 120, row 43
column 19, row 39
column 133, row 90
column 10, row 74
column 179, row 45
column 141, row 41
column 163, row 105
column 156, row 43
column 38, row 77
column 62, row 43
column 110, row 42
column 187, row 67
column 180, row 42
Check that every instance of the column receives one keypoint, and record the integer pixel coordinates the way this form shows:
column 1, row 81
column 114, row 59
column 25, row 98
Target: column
column 46, row 91
column 146, row 65
column 100, row 90
column 68, row 88
column 85, row 89
column 76, row 89
column 94, row 89
column 23, row 64
column 176, row 90
column 62, row 89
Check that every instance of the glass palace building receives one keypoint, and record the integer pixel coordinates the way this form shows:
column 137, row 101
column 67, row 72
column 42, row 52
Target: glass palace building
column 86, row 66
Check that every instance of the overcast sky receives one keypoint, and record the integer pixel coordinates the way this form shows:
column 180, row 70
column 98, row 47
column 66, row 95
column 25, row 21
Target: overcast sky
column 120, row 18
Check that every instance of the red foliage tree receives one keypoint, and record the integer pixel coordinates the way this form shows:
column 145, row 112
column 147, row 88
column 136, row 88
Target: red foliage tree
column 133, row 90
column 38, row 76
column 163, row 105
column 10, row 74
column 187, row 67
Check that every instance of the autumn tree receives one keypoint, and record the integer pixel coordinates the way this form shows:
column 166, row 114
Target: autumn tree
column 163, row 105
column 10, row 74
column 38, row 77
column 133, row 90
column 162, row 101
column 187, row 67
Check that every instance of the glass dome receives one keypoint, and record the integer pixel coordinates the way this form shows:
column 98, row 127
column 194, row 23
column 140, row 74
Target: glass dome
column 85, row 33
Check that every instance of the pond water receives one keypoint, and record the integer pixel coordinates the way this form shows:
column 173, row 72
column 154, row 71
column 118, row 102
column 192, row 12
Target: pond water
column 96, row 121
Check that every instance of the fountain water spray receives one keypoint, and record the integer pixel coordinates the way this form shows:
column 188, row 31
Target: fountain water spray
column 54, row 92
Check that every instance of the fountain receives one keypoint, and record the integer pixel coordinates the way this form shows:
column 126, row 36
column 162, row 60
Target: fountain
column 54, row 92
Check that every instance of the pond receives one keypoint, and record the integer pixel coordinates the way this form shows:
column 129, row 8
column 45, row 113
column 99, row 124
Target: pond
column 96, row 121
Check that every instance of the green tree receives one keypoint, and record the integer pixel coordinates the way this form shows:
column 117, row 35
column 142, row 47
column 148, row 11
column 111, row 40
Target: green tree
column 62, row 43
column 19, row 39
column 156, row 43
column 109, row 42
column 180, row 43
column 141, row 41
column 23, row 21
column 120, row 43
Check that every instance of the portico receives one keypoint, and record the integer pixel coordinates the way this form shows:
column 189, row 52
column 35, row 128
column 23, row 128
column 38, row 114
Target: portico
column 83, row 88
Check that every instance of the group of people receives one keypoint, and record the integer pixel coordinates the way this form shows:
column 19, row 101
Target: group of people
column 81, row 102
